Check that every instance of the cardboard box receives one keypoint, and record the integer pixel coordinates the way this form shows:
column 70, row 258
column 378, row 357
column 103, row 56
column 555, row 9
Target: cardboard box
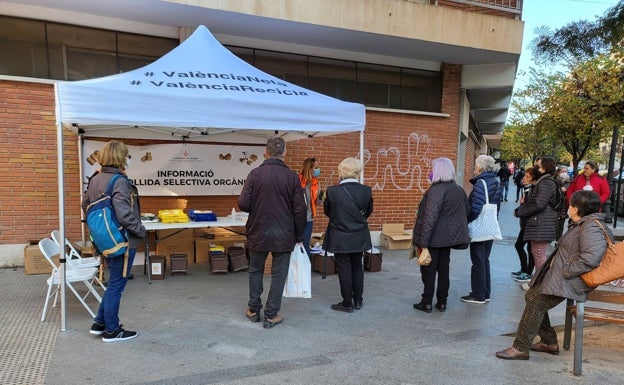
column 218, row 232
column 394, row 237
column 174, row 241
column 35, row 262
column 202, row 246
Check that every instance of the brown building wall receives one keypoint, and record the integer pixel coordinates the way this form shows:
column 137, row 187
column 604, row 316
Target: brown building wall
column 398, row 148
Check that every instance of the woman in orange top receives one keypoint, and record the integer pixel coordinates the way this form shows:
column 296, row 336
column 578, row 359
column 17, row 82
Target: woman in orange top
column 308, row 176
column 590, row 180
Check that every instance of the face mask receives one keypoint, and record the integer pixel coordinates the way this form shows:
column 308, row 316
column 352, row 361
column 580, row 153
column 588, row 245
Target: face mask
column 316, row 172
column 127, row 165
column 430, row 176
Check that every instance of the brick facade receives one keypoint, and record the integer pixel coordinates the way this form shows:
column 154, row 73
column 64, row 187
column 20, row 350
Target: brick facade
column 398, row 147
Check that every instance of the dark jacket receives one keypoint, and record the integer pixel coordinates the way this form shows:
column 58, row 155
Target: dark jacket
column 518, row 175
column 125, row 200
column 442, row 218
column 347, row 230
column 541, row 219
column 504, row 173
column 579, row 250
column 477, row 195
column 274, row 199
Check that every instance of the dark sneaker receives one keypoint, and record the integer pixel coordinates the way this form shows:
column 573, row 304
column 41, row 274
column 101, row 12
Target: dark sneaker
column 253, row 316
column 118, row 335
column 270, row 322
column 97, row 329
column 340, row 307
column 471, row 299
column 516, row 273
column 523, row 278
column 424, row 307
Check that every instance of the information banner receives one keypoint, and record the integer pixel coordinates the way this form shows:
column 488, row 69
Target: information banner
column 184, row 168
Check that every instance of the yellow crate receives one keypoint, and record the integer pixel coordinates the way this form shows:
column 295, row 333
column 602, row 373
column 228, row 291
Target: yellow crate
column 172, row 216
column 173, row 220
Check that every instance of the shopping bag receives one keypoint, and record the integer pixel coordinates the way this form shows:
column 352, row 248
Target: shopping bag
column 611, row 267
column 299, row 280
column 485, row 226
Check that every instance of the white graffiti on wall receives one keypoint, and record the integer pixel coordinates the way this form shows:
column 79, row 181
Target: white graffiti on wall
column 401, row 171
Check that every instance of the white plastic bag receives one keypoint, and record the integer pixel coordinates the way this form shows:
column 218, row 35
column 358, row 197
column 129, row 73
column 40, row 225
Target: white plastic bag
column 299, row 281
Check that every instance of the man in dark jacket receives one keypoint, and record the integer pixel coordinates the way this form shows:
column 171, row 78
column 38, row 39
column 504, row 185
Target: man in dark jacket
column 274, row 199
column 504, row 174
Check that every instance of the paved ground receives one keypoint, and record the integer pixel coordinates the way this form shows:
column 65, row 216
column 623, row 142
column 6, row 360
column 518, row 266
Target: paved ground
column 193, row 331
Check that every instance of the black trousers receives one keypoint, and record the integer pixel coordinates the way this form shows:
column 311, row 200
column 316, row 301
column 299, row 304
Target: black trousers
column 350, row 276
column 527, row 263
column 519, row 191
column 440, row 261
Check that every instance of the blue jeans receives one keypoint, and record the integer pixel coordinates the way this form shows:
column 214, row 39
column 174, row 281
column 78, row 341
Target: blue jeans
column 480, row 271
column 307, row 234
column 279, row 272
column 108, row 313
column 505, row 189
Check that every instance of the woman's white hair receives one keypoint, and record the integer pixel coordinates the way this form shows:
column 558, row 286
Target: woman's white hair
column 442, row 169
column 484, row 163
column 349, row 168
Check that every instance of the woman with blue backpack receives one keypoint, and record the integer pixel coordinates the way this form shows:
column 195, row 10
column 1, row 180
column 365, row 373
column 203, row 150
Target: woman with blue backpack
column 112, row 184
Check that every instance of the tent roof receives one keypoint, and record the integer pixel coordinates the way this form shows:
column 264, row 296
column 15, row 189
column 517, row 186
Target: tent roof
column 201, row 91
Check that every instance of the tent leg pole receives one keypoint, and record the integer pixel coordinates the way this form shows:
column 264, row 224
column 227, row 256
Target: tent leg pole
column 362, row 156
column 81, row 176
column 61, row 203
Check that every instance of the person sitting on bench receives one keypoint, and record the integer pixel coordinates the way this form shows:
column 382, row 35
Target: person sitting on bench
column 579, row 250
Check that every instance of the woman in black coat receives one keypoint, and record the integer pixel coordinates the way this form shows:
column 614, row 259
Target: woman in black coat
column 441, row 223
column 348, row 206
column 541, row 219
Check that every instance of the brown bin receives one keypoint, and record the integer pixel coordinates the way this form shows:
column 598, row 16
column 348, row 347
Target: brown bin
column 218, row 262
column 372, row 261
column 317, row 264
column 158, row 266
column 238, row 258
column 178, row 263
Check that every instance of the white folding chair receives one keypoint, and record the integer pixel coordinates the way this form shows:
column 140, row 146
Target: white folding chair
column 74, row 257
column 77, row 261
column 87, row 275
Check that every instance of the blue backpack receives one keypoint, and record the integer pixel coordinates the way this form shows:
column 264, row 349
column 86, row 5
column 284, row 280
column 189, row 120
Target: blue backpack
column 107, row 235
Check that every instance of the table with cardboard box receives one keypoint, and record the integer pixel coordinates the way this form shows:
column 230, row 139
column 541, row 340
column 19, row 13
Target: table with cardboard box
column 193, row 239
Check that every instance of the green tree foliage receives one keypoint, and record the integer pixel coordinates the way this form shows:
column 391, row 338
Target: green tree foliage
column 581, row 40
column 576, row 110
column 581, row 107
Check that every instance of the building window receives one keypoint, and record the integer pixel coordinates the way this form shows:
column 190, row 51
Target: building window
column 43, row 49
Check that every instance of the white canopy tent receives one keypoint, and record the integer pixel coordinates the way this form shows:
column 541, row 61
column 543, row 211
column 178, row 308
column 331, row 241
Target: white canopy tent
column 199, row 91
